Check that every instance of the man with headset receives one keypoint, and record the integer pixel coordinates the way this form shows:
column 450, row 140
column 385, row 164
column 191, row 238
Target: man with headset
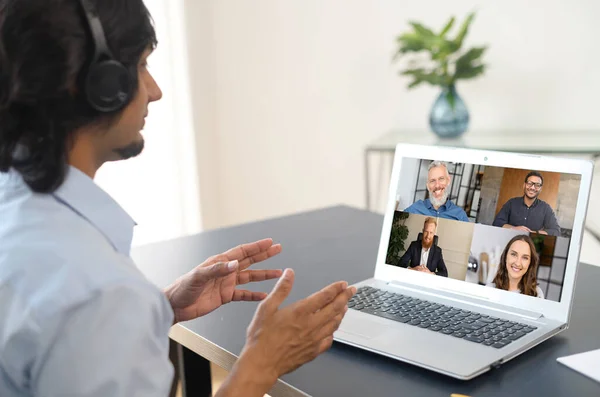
column 77, row 317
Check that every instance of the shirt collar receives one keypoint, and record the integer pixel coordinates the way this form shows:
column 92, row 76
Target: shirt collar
column 535, row 202
column 84, row 196
column 447, row 205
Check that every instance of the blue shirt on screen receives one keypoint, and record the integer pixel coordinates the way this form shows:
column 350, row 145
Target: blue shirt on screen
column 448, row 211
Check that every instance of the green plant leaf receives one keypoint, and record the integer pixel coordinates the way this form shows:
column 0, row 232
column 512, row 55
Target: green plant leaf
column 423, row 76
column 415, row 83
column 408, row 37
column 398, row 235
column 409, row 42
column 403, row 232
column 470, row 56
column 431, row 42
column 469, row 72
column 423, row 31
column 464, row 29
column 467, row 65
column 413, row 72
column 447, row 63
column 447, row 28
column 417, row 76
column 446, row 48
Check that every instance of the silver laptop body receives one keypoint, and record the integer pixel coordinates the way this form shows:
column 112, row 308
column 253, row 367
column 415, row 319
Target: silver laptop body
column 459, row 324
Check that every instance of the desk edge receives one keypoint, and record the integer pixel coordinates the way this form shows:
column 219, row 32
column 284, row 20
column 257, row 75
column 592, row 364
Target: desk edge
column 224, row 358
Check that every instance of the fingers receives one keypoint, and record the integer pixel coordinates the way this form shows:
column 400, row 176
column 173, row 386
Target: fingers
column 219, row 269
column 248, row 254
column 280, row 292
column 249, row 249
column 250, row 276
column 248, row 296
column 322, row 298
column 261, row 256
column 325, row 345
column 331, row 326
column 333, row 309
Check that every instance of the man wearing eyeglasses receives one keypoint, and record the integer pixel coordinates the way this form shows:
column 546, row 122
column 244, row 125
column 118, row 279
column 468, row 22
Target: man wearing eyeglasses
column 528, row 213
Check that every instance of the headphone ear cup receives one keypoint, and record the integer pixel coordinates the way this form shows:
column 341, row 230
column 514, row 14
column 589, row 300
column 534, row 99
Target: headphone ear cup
column 108, row 86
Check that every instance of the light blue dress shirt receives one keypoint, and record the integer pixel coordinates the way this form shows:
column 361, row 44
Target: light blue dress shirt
column 77, row 317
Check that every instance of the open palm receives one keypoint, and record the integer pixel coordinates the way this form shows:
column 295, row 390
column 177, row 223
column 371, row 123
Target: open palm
column 213, row 283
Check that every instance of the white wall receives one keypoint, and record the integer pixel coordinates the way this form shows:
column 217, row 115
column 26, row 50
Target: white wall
column 300, row 87
column 201, row 46
column 159, row 188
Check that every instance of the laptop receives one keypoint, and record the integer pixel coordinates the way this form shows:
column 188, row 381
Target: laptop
column 477, row 259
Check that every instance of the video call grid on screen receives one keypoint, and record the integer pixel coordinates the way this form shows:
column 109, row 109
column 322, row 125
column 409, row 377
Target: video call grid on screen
column 471, row 215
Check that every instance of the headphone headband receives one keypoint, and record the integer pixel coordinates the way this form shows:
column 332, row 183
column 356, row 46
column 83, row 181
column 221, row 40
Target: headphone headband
column 107, row 83
column 91, row 14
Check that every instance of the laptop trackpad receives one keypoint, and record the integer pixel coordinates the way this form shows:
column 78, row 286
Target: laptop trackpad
column 364, row 327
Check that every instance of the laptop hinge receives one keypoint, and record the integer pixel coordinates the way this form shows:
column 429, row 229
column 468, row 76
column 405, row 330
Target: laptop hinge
column 469, row 299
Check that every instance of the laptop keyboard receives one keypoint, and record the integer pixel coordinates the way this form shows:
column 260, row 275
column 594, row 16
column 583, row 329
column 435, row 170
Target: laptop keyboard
column 468, row 325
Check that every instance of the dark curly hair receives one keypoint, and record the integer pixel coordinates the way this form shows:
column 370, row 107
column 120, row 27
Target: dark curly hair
column 45, row 48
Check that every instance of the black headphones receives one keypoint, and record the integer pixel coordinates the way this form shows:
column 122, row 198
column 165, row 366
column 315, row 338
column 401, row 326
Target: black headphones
column 108, row 83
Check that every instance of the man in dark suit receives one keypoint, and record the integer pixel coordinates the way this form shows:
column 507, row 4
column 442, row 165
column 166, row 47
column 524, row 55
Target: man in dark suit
column 424, row 256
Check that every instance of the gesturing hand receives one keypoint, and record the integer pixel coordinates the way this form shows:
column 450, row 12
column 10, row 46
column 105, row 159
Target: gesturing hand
column 280, row 339
column 213, row 283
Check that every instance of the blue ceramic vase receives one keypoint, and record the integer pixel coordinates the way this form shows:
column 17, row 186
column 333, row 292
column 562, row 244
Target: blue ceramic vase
column 449, row 117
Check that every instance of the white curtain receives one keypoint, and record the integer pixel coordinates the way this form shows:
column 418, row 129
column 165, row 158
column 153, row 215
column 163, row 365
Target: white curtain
column 159, row 188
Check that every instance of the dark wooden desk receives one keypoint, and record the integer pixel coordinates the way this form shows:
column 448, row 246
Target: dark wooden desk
column 341, row 243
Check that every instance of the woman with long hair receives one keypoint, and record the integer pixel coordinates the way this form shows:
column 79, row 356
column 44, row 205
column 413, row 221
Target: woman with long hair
column 518, row 267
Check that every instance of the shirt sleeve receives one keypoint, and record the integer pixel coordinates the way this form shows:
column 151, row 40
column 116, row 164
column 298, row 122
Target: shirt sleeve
column 405, row 259
column 463, row 216
column 115, row 344
column 502, row 217
column 441, row 269
column 551, row 223
column 411, row 209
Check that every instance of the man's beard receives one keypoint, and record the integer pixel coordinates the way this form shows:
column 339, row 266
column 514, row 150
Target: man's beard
column 427, row 244
column 131, row 150
column 533, row 195
column 438, row 202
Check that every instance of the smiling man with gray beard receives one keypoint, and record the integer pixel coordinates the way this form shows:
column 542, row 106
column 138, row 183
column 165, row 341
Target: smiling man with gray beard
column 438, row 205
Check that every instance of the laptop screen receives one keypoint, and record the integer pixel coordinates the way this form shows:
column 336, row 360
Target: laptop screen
column 505, row 228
